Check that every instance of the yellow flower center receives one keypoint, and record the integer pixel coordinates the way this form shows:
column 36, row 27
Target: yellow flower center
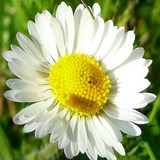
column 80, row 84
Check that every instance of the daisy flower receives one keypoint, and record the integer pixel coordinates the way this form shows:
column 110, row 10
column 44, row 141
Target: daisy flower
column 82, row 80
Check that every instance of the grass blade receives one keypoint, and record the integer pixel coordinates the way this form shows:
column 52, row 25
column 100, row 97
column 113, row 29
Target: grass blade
column 5, row 150
column 149, row 143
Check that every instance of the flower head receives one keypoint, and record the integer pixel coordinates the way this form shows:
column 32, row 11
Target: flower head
column 83, row 79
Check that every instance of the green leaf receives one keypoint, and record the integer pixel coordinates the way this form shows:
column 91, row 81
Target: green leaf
column 5, row 149
column 149, row 143
column 155, row 110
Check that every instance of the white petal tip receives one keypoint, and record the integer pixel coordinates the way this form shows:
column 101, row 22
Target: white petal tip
column 153, row 97
column 144, row 121
column 6, row 55
column 136, row 131
column 8, row 95
column 17, row 120
column 18, row 35
column 119, row 148
column 150, row 97
column 96, row 10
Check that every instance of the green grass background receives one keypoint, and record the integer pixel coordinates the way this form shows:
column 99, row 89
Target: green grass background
column 142, row 16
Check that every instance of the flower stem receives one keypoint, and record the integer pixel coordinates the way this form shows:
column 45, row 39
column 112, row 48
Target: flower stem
column 155, row 110
column 149, row 143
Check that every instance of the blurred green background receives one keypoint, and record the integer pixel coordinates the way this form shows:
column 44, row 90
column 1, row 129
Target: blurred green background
column 142, row 16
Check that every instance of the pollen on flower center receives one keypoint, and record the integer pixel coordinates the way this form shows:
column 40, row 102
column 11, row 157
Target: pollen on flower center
column 79, row 83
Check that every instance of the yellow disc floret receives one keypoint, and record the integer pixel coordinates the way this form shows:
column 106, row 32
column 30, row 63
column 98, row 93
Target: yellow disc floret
column 79, row 83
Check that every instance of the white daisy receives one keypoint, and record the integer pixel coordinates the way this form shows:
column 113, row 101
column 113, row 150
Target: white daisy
column 83, row 79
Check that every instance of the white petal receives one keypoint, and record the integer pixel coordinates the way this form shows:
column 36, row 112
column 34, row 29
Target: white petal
column 129, row 87
column 47, row 37
column 136, row 54
column 149, row 97
column 29, row 47
column 60, row 12
column 80, row 8
column 127, row 127
column 90, row 152
column 47, row 15
column 122, row 52
column 24, row 72
column 134, row 100
column 84, row 37
column 34, row 33
column 82, row 135
column 51, row 112
column 27, row 68
column 96, row 10
column 110, row 153
column 110, row 127
column 68, row 152
column 63, row 117
column 135, row 69
column 31, row 111
column 69, row 30
column 18, row 54
column 9, row 55
column 74, row 148
column 41, row 130
column 61, row 17
column 58, row 125
column 27, row 96
column 126, row 114
column 72, row 129
column 95, row 42
column 18, row 84
column 65, row 139
column 63, row 142
column 38, row 64
column 29, row 127
column 108, row 38
column 119, row 148
column 38, row 42
column 72, row 133
column 104, row 134
column 77, row 18
column 118, row 39
column 99, row 144
column 59, row 36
